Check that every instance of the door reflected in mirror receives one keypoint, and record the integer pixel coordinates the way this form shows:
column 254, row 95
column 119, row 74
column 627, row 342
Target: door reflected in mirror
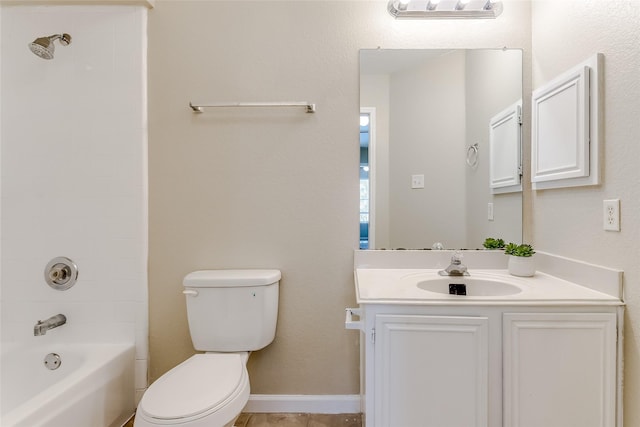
column 423, row 114
column 365, row 183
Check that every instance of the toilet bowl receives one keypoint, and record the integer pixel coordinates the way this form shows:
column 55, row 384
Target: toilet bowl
column 206, row 390
column 230, row 313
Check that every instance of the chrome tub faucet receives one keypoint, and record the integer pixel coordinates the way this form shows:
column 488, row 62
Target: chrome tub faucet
column 456, row 268
column 43, row 326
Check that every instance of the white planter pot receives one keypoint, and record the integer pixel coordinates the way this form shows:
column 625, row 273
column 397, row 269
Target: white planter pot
column 521, row 266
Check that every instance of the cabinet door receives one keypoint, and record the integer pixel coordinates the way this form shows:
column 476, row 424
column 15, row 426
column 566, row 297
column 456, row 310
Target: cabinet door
column 505, row 158
column 431, row 371
column 559, row 370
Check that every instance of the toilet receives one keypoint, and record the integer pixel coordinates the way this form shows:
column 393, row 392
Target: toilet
column 231, row 313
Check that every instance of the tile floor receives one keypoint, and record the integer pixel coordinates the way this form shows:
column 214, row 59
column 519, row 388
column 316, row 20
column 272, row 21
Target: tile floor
column 294, row 420
column 299, row 420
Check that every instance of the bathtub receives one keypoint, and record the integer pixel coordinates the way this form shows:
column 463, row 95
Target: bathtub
column 93, row 386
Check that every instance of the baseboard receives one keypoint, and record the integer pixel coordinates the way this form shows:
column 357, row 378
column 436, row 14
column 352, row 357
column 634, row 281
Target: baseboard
column 312, row 404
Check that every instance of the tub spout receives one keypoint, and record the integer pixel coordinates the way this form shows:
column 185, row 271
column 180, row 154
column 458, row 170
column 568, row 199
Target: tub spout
column 43, row 326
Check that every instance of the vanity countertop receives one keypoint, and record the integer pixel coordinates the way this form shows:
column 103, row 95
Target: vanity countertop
column 400, row 286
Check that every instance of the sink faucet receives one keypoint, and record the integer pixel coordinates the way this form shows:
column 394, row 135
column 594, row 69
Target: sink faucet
column 43, row 326
column 456, row 268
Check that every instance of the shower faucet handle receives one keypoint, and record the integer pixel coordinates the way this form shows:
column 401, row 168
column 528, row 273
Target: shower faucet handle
column 61, row 273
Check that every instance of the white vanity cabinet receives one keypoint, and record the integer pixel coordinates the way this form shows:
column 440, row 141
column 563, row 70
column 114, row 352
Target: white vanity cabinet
column 559, row 369
column 431, row 370
column 489, row 365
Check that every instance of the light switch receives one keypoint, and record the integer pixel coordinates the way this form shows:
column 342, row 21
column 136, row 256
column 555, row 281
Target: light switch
column 490, row 211
column 417, row 181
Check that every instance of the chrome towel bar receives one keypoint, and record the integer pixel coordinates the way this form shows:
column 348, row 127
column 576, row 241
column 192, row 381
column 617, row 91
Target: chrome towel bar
column 310, row 108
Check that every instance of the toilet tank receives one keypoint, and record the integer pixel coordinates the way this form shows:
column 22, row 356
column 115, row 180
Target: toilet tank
column 232, row 310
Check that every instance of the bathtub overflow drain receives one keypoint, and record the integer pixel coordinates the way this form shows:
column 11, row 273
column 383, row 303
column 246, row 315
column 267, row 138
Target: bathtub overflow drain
column 52, row 361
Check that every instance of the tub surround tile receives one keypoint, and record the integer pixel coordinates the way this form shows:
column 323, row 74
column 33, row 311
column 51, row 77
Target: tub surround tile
column 75, row 185
column 141, row 374
column 138, row 396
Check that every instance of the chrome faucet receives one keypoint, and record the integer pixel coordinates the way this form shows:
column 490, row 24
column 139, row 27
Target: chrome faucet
column 43, row 326
column 456, row 268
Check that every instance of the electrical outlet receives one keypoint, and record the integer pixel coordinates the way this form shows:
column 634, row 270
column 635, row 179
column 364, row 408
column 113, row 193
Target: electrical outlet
column 417, row 181
column 611, row 212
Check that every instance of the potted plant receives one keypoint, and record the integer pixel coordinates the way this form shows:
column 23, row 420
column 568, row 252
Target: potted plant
column 491, row 243
column 521, row 262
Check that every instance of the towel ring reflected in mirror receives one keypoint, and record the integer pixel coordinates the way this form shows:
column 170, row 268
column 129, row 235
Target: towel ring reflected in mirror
column 472, row 155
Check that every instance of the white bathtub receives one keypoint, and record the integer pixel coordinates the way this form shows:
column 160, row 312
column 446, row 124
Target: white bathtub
column 93, row 387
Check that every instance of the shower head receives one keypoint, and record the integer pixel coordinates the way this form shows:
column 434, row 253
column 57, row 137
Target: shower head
column 44, row 47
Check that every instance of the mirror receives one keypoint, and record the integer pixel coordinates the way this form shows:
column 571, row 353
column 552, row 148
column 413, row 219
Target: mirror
column 424, row 147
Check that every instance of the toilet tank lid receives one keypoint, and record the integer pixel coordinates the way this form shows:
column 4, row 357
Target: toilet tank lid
column 231, row 278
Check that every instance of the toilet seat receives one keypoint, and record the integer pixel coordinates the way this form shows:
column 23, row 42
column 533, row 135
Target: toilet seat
column 212, row 387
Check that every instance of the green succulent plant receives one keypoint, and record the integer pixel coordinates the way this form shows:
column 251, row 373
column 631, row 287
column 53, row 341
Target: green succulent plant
column 523, row 250
column 491, row 243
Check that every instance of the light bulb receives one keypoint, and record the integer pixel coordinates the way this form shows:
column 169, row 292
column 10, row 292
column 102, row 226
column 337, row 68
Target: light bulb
column 402, row 4
column 461, row 4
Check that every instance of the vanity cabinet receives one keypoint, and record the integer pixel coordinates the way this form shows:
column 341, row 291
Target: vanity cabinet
column 489, row 366
column 559, row 369
column 431, row 370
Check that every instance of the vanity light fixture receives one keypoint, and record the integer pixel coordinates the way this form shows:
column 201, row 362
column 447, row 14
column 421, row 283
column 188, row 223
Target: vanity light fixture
column 461, row 4
column 444, row 9
column 433, row 4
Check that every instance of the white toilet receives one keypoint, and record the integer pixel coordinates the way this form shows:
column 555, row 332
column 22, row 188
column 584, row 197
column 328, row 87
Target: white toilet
column 231, row 312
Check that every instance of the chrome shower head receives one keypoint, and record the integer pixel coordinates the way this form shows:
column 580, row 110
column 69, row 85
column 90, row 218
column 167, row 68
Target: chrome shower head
column 44, row 47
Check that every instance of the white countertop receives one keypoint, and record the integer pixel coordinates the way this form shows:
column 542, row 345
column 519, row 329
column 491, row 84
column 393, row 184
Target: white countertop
column 399, row 286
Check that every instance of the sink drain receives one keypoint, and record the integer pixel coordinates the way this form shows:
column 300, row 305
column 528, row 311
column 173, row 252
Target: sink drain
column 52, row 361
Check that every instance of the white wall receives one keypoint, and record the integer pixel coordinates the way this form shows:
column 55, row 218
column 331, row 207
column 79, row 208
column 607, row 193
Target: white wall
column 569, row 221
column 74, row 173
column 427, row 136
column 491, row 87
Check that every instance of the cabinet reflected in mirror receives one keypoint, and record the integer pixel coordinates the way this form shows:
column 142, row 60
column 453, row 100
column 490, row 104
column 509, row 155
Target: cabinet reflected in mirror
column 421, row 182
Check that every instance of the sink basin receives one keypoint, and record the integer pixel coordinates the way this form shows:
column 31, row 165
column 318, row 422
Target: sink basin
column 475, row 287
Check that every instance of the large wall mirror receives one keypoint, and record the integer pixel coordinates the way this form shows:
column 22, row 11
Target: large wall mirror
column 425, row 147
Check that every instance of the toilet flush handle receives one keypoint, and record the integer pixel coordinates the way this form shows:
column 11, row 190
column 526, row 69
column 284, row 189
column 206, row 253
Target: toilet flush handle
column 190, row 292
